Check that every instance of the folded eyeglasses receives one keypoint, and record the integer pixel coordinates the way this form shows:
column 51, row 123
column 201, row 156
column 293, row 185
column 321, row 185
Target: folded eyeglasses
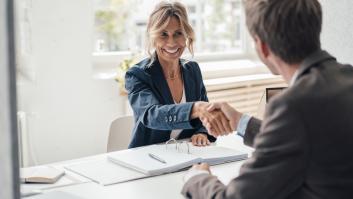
column 178, row 145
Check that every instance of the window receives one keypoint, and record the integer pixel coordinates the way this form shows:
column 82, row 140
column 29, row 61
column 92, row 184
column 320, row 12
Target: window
column 120, row 25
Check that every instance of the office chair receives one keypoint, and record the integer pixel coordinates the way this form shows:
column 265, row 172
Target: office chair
column 120, row 133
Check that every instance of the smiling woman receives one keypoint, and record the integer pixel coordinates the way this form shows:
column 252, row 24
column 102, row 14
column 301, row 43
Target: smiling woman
column 167, row 93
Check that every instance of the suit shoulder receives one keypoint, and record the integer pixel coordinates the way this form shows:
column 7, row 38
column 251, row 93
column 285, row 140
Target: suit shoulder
column 139, row 72
column 312, row 88
column 191, row 66
column 142, row 65
column 142, row 68
column 189, row 63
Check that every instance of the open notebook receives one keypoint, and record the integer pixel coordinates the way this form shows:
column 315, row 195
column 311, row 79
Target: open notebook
column 168, row 158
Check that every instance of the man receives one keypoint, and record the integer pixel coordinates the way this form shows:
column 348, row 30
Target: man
column 303, row 148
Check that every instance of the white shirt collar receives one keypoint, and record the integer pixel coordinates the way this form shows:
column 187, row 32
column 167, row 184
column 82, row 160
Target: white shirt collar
column 294, row 78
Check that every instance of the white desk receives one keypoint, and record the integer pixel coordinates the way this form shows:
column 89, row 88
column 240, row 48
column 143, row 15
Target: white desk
column 165, row 186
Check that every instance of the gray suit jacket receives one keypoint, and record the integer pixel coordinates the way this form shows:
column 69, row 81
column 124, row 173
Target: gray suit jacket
column 304, row 148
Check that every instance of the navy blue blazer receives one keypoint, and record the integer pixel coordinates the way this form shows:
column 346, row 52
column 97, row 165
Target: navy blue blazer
column 154, row 110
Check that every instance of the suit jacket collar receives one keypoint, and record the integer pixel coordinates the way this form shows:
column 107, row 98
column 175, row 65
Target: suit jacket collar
column 161, row 83
column 309, row 62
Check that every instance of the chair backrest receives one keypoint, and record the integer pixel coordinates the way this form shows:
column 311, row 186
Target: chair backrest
column 120, row 133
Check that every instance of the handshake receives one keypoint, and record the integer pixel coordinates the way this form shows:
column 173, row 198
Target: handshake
column 218, row 118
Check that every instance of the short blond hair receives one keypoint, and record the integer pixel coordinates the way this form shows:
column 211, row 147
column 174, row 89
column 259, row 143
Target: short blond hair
column 159, row 20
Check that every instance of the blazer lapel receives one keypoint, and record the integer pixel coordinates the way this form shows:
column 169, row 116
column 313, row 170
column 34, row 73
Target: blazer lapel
column 160, row 82
column 188, row 83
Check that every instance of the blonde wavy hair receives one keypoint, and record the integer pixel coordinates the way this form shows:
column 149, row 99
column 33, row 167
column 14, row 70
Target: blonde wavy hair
column 159, row 20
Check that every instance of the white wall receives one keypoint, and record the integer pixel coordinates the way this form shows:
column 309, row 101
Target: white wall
column 68, row 111
column 337, row 34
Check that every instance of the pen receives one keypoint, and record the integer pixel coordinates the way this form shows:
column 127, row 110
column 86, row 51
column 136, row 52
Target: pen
column 157, row 158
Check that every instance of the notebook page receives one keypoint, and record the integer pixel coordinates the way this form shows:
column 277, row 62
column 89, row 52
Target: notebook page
column 140, row 160
column 216, row 154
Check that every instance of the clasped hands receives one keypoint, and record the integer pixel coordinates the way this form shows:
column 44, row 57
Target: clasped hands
column 219, row 118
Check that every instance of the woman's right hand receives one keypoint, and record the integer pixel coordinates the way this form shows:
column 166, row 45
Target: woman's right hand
column 216, row 119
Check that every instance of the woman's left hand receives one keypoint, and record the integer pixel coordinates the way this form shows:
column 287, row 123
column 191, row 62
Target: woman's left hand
column 200, row 140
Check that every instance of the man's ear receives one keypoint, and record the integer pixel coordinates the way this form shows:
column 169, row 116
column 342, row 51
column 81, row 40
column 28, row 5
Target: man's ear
column 262, row 47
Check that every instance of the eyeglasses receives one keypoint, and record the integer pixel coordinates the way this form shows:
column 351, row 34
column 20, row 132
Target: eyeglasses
column 178, row 145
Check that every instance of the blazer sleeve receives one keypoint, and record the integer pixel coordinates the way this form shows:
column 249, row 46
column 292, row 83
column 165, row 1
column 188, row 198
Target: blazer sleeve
column 149, row 111
column 276, row 168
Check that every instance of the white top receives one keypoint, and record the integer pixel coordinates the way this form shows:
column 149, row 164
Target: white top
column 175, row 133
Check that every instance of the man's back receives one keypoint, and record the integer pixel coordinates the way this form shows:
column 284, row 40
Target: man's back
column 323, row 97
column 303, row 149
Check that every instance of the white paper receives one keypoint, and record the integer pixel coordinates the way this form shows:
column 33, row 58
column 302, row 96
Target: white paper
column 104, row 172
column 56, row 195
